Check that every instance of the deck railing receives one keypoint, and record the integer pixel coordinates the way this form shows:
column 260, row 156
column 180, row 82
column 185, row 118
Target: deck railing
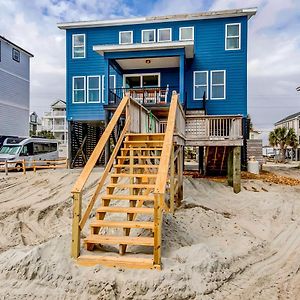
column 143, row 95
column 213, row 127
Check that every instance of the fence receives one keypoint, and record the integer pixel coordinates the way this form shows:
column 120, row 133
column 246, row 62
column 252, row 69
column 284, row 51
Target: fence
column 23, row 165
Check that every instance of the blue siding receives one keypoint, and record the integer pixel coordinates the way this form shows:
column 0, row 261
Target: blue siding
column 210, row 54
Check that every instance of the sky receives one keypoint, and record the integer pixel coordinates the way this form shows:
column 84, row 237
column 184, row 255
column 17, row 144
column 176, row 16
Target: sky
column 273, row 53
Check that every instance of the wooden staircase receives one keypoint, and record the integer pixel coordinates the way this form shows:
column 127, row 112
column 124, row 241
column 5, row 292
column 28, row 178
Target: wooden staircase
column 145, row 180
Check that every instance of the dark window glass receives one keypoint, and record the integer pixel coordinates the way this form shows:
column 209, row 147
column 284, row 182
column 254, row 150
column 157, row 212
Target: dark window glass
column 16, row 55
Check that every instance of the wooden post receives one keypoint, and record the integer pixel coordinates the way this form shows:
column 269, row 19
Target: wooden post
column 24, row 167
column 77, row 198
column 230, row 167
column 34, row 168
column 180, row 162
column 159, row 198
column 6, row 168
column 236, row 169
column 172, row 186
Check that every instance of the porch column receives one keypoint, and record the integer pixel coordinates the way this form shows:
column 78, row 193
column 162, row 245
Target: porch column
column 106, row 81
column 181, row 77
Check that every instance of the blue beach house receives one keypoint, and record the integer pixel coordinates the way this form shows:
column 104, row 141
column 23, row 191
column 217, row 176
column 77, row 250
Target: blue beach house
column 201, row 56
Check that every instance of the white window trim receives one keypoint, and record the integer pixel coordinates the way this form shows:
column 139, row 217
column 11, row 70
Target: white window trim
column 194, row 85
column 143, row 36
column 237, row 36
column 160, row 29
column 73, row 46
column 218, row 84
column 88, row 88
column 141, row 77
column 84, row 89
column 103, row 86
column 180, row 28
column 131, row 39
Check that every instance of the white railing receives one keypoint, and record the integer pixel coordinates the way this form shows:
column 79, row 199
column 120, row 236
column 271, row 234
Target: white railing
column 213, row 127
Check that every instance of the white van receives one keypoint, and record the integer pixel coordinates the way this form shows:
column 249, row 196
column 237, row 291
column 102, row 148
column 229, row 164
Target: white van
column 29, row 149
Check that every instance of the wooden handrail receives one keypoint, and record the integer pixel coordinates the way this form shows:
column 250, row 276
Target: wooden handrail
column 163, row 169
column 104, row 175
column 78, row 187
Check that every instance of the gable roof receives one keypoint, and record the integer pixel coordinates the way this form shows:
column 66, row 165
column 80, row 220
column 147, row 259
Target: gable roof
column 249, row 12
column 59, row 103
column 290, row 117
column 16, row 46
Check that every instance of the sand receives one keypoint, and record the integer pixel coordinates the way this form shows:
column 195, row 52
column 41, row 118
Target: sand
column 217, row 246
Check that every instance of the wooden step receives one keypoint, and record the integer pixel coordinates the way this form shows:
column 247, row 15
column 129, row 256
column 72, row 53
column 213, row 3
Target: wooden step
column 129, row 210
column 122, row 224
column 147, row 175
column 128, row 197
column 119, row 240
column 139, row 157
column 117, row 262
column 143, row 142
column 142, row 149
column 131, row 186
column 145, row 134
column 136, row 166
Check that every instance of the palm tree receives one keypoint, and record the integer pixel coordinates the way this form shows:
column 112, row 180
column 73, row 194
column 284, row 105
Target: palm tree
column 282, row 138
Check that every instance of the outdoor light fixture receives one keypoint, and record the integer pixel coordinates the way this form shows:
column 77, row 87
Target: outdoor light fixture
column 148, row 61
column 298, row 89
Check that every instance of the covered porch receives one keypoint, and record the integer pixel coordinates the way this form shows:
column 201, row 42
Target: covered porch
column 148, row 72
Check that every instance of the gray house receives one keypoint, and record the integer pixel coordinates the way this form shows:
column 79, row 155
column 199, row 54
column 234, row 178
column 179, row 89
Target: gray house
column 14, row 89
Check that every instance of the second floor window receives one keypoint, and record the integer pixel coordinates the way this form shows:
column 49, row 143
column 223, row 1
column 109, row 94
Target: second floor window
column 125, row 37
column 93, row 89
column 200, row 85
column 233, row 36
column 78, row 45
column 148, row 36
column 164, row 35
column 217, row 85
column 16, row 55
column 186, row 33
column 79, row 89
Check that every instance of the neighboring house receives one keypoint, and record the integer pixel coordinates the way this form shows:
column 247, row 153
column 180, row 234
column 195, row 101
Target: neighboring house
column 199, row 55
column 254, row 134
column 34, row 123
column 14, row 89
column 292, row 121
column 55, row 121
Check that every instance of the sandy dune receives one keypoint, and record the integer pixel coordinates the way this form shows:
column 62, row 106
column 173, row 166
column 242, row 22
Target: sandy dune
column 217, row 246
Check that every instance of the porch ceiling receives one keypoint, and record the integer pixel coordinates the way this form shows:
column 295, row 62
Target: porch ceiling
column 152, row 63
column 188, row 46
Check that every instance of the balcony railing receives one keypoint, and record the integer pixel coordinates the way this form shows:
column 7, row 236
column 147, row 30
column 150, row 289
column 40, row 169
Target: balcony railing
column 213, row 127
column 55, row 114
column 144, row 95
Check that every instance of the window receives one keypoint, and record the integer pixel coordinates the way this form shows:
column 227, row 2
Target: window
column 217, row 85
column 93, row 89
column 186, row 33
column 232, row 36
column 200, row 85
column 78, row 45
column 165, row 35
column 112, row 85
column 148, row 36
column 79, row 89
column 125, row 37
column 15, row 55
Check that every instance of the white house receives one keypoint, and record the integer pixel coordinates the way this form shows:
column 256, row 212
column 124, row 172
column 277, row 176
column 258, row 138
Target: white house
column 55, row 121
column 14, row 89
column 292, row 121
